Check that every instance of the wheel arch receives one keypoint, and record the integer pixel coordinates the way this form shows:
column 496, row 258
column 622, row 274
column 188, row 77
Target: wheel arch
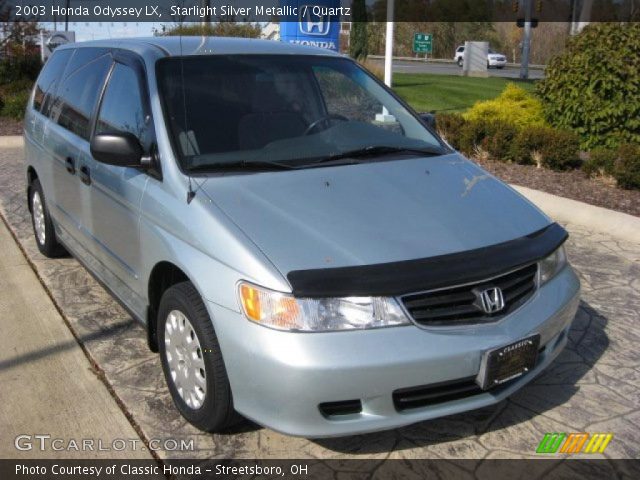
column 163, row 276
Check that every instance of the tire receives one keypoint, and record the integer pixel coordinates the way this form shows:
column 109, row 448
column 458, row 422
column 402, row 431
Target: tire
column 201, row 391
column 460, row 62
column 43, row 229
column 501, row 67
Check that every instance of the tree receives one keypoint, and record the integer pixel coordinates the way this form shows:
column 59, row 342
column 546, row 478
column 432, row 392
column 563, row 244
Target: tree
column 359, row 41
column 218, row 29
column 16, row 32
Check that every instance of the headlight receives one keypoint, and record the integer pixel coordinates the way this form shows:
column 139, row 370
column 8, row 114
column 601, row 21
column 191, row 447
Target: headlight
column 285, row 312
column 552, row 264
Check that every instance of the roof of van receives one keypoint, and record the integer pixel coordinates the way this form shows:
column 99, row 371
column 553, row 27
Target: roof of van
column 180, row 46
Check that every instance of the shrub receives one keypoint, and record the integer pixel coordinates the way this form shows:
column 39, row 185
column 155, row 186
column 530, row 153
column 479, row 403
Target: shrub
column 560, row 150
column 499, row 139
column 592, row 87
column 527, row 142
column 18, row 86
column 601, row 162
column 472, row 134
column 514, row 106
column 449, row 125
column 15, row 105
column 493, row 136
column 546, row 146
column 19, row 68
column 627, row 167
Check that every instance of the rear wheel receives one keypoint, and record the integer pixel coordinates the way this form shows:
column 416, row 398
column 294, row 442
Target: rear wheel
column 192, row 361
column 43, row 229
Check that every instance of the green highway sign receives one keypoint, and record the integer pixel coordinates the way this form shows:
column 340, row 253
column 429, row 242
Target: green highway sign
column 422, row 43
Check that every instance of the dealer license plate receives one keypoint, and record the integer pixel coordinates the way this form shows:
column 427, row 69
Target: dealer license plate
column 509, row 362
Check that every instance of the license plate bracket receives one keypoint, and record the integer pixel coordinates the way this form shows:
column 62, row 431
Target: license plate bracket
column 508, row 362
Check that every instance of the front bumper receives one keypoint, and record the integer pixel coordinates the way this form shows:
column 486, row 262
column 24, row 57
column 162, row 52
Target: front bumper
column 278, row 379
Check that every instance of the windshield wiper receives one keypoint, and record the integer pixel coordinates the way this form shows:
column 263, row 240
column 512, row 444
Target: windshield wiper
column 241, row 165
column 375, row 150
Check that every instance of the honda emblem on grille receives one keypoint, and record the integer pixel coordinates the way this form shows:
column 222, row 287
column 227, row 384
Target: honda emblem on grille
column 491, row 300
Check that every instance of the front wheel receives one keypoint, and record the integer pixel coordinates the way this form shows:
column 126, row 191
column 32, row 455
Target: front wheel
column 192, row 361
column 460, row 62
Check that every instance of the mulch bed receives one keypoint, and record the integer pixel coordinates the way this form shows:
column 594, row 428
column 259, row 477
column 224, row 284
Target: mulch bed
column 572, row 184
column 8, row 126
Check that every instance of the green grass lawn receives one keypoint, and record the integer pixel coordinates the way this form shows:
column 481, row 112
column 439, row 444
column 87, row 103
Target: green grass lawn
column 451, row 93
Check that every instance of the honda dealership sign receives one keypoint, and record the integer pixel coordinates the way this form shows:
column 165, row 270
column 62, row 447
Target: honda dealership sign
column 312, row 23
column 49, row 41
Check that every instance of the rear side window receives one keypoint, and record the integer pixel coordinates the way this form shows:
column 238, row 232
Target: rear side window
column 50, row 75
column 77, row 96
column 82, row 56
column 122, row 109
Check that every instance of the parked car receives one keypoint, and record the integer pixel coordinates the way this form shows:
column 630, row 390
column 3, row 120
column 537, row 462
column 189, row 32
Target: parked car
column 299, row 245
column 494, row 59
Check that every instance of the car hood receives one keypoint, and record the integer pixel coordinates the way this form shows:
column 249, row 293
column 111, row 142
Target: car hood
column 372, row 213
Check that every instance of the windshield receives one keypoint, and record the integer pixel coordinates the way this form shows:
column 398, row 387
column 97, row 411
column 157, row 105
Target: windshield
column 290, row 111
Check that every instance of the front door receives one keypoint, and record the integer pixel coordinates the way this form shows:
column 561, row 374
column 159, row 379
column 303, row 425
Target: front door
column 114, row 210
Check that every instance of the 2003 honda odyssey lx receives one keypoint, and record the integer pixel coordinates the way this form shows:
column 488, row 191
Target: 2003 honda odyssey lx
column 302, row 247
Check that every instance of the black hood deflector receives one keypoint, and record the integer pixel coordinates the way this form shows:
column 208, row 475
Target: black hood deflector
column 409, row 276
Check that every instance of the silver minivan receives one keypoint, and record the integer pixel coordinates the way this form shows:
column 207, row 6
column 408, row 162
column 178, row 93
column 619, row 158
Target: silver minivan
column 301, row 247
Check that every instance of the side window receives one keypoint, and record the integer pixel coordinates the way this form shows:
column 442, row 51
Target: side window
column 50, row 75
column 77, row 97
column 122, row 108
column 82, row 56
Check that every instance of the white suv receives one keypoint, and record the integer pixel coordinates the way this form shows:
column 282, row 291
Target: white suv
column 494, row 59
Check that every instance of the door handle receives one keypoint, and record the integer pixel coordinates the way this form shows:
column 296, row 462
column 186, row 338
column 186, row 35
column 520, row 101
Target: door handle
column 85, row 175
column 70, row 164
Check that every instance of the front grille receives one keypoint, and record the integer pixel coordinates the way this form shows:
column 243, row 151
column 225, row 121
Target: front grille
column 461, row 306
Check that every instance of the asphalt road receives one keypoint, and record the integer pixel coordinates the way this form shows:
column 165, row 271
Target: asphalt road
column 407, row 66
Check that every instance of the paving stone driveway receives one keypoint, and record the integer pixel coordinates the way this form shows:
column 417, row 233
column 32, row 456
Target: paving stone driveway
column 593, row 386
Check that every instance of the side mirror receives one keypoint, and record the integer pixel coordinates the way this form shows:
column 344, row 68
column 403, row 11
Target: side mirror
column 429, row 119
column 119, row 149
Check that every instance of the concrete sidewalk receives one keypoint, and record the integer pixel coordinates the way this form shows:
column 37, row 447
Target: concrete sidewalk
column 47, row 385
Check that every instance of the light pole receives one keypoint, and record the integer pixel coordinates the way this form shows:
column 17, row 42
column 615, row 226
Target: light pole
column 388, row 50
column 206, row 19
column 526, row 41
column 66, row 16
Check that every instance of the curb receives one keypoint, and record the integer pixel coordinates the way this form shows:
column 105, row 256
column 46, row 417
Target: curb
column 616, row 224
column 450, row 61
column 11, row 141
